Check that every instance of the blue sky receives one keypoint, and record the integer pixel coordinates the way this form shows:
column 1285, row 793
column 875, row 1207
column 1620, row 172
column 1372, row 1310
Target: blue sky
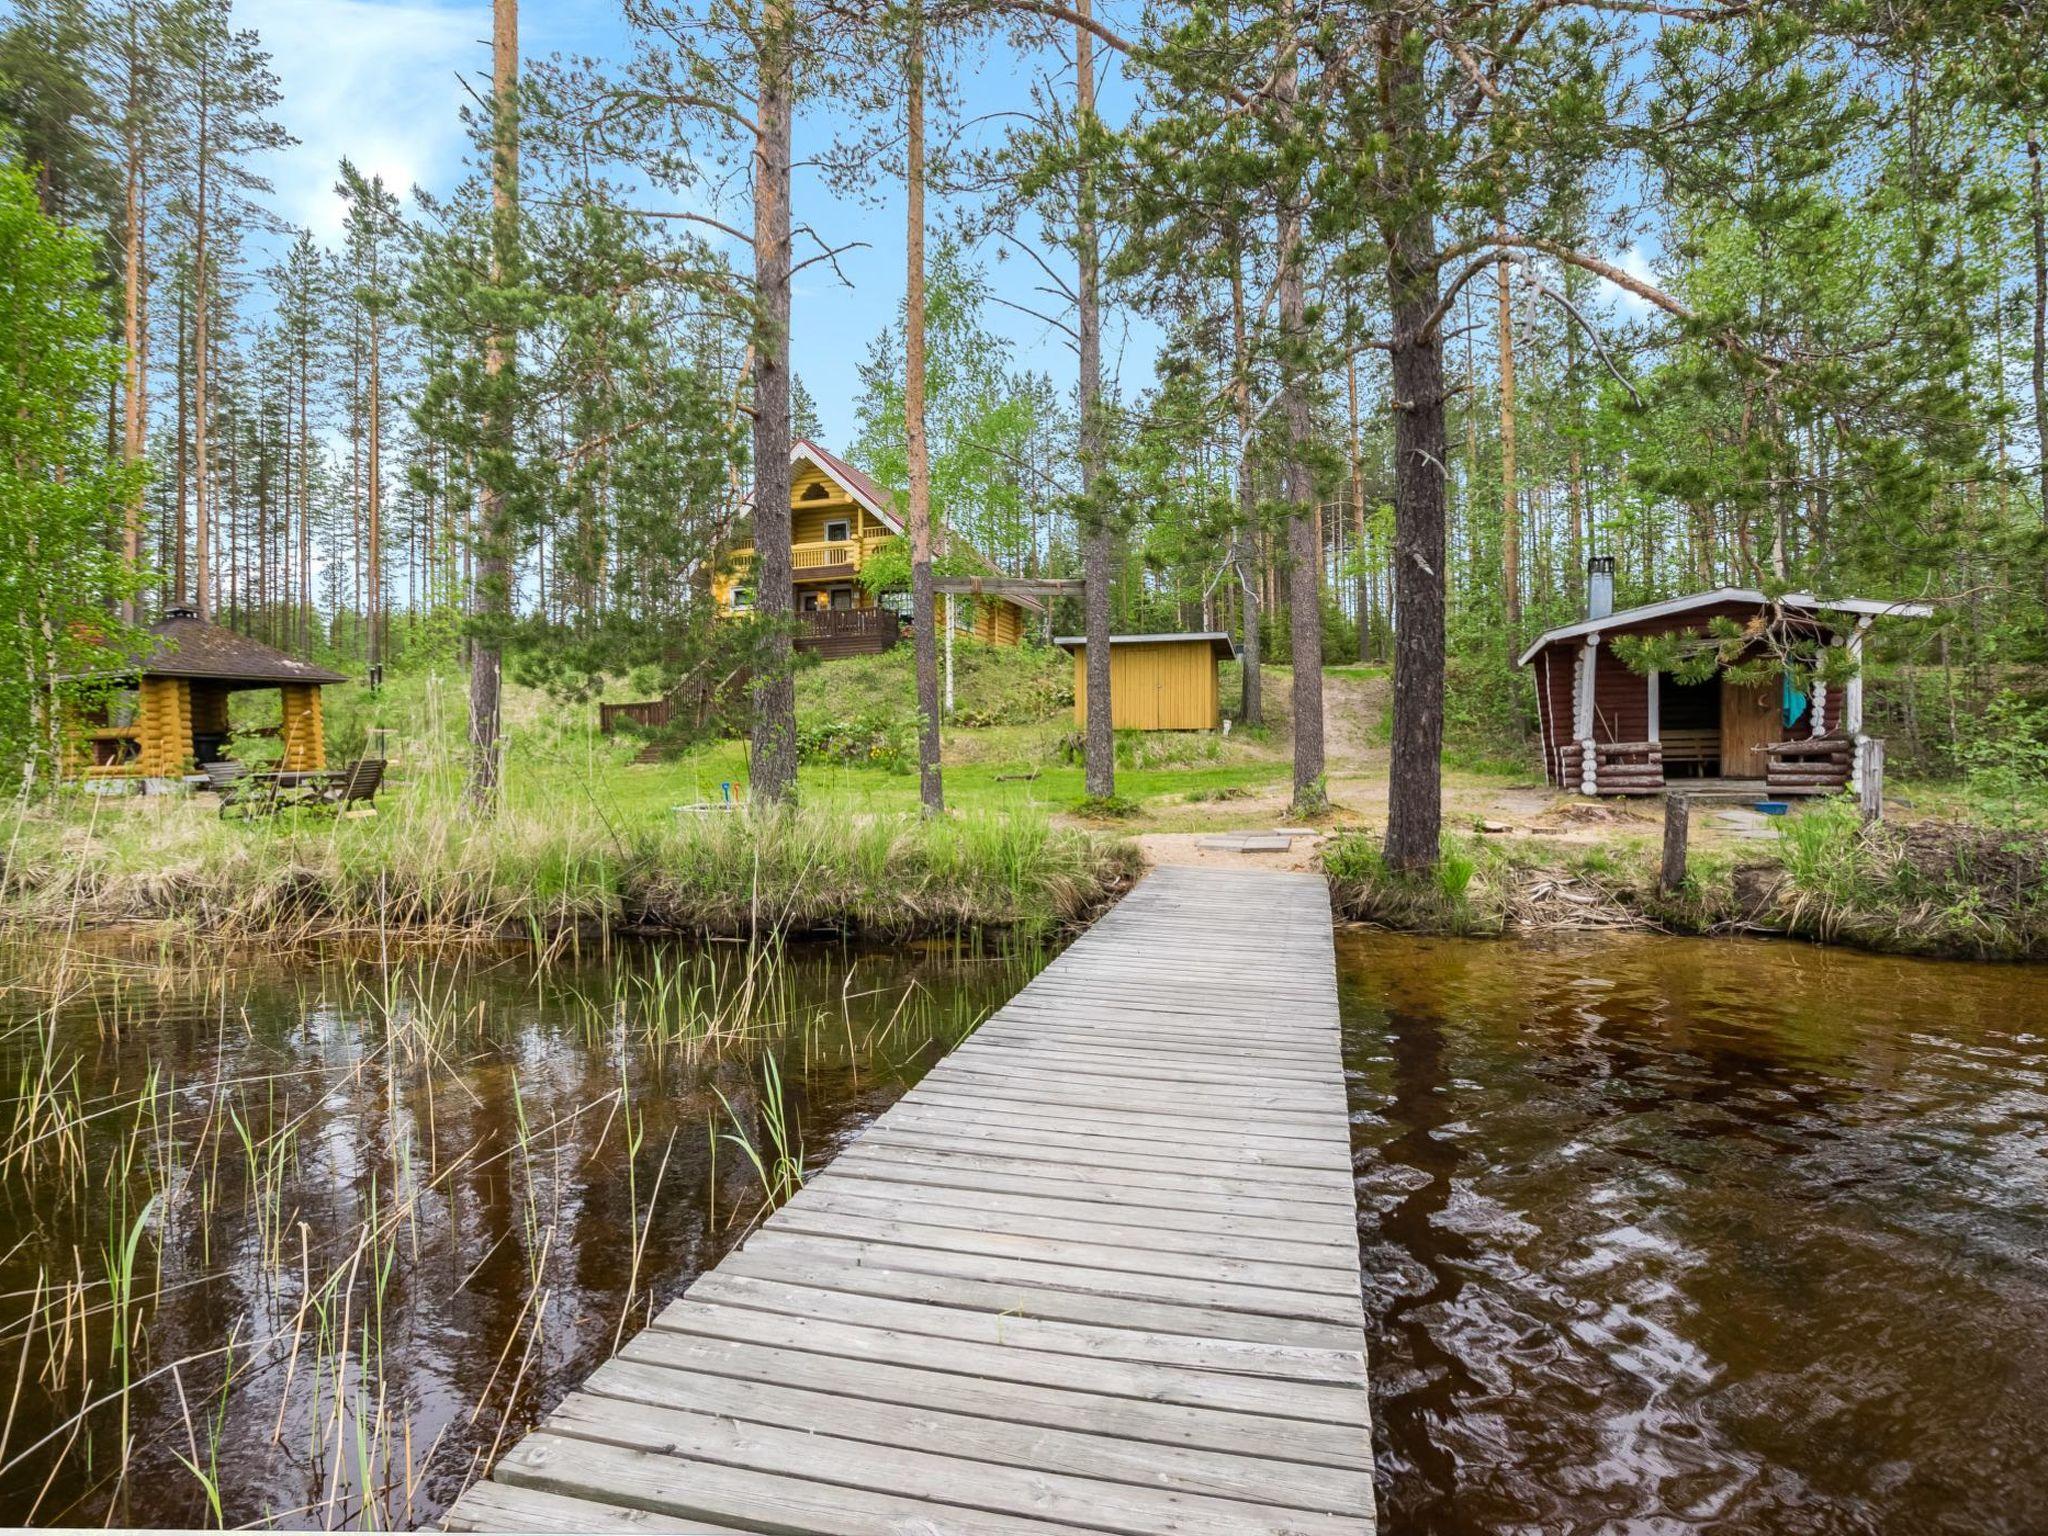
column 379, row 81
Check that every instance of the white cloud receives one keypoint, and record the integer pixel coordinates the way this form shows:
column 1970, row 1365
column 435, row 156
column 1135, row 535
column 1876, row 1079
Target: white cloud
column 1635, row 261
column 371, row 80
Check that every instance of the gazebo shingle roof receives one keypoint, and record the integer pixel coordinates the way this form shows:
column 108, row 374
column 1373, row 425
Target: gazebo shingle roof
column 182, row 644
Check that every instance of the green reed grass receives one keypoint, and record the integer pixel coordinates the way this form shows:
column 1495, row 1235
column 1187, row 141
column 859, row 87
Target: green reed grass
column 424, row 865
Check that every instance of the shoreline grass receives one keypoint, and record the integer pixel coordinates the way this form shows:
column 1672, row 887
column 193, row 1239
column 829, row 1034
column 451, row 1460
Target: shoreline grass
column 1937, row 890
column 423, row 866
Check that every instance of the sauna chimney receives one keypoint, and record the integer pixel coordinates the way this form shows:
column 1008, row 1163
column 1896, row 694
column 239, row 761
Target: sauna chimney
column 1599, row 586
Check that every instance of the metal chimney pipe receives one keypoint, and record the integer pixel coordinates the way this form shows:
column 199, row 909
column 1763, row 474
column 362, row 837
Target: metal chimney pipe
column 1599, row 586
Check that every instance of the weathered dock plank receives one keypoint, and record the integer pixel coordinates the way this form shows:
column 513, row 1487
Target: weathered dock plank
column 1097, row 1272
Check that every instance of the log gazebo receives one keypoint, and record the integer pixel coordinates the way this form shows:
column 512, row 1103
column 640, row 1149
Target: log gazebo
column 166, row 712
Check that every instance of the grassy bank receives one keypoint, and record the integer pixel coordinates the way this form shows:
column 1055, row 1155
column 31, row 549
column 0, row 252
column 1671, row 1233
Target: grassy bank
column 1944, row 889
column 424, row 865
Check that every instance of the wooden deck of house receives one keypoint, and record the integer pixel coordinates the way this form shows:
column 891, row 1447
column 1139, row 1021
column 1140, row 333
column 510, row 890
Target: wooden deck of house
column 1098, row 1271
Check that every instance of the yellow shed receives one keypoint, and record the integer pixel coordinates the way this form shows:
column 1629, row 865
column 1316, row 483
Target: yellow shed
column 1156, row 682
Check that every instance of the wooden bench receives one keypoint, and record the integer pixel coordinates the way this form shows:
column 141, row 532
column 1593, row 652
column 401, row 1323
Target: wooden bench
column 1692, row 746
column 357, row 784
column 250, row 795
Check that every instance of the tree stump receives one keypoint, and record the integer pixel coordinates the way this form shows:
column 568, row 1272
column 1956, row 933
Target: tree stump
column 1677, row 825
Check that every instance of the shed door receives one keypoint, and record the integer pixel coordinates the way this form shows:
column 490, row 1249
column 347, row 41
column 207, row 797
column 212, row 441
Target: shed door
column 1751, row 718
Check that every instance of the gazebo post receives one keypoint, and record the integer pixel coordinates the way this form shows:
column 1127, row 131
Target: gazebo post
column 165, row 719
column 305, row 744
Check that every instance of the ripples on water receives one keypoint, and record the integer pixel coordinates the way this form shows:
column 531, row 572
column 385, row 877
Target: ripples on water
column 384, row 1215
column 1675, row 1235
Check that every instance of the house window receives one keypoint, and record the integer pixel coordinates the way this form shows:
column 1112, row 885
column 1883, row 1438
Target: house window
column 838, row 531
column 742, row 599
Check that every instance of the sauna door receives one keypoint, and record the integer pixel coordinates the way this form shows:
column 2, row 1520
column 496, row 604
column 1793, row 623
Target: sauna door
column 1751, row 719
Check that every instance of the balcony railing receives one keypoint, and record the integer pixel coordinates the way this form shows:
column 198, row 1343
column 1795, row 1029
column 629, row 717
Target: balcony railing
column 819, row 557
column 826, row 557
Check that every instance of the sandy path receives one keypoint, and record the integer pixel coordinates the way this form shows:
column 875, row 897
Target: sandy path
column 1353, row 711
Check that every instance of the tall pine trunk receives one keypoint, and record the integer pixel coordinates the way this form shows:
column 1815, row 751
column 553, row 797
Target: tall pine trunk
column 492, row 597
column 1251, row 707
column 305, row 499
column 180, row 593
column 375, row 607
column 1304, row 519
column 1362, row 580
column 202, row 583
column 1510, row 492
column 774, row 735
column 2038, row 206
column 134, row 319
column 931, row 789
column 1098, row 554
column 1415, row 773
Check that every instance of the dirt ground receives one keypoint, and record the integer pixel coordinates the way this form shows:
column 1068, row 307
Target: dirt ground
column 1185, row 850
column 1357, row 777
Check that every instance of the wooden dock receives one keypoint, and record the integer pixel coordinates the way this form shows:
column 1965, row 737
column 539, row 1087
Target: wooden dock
column 1097, row 1272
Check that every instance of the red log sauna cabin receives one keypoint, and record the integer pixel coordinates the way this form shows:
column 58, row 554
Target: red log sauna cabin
column 1608, row 730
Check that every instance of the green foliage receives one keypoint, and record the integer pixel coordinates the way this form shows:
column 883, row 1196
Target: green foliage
column 867, row 741
column 886, row 569
column 1454, row 872
column 51, row 114
column 2004, row 757
column 1749, row 654
column 993, row 685
column 260, row 750
column 62, row 501
column 990, row 430
column 1487, row 706
column 561, row 854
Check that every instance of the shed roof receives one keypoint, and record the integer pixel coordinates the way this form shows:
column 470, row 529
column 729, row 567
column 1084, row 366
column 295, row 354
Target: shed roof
column 1218, row 642
column 181, row 644
column 1671, row 607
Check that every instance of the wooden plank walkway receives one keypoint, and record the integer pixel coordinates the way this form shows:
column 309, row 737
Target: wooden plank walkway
column 1097, row 1272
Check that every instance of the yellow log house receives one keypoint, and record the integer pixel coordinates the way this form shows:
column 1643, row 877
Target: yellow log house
column 1156, row 682
column 167, row 712
column 838, row 518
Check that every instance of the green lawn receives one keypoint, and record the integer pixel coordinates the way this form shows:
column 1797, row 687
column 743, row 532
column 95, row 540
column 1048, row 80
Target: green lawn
column 1013, row 749
column 973, row 787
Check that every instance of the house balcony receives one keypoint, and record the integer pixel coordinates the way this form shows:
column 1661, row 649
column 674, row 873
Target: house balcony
column 817, row 560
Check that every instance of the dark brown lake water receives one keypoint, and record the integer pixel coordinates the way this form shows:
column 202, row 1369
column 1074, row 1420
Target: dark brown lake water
column 1676, row 1235
column 300, row 1243
column 1658, row 1235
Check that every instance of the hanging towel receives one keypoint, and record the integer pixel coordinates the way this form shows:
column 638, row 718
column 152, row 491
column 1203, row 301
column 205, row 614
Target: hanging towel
column 1795, row 702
